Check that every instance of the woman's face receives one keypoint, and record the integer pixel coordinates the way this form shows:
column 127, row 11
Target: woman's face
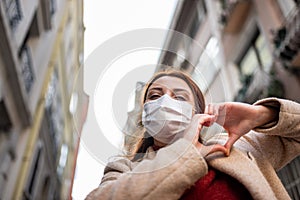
column 175, row 87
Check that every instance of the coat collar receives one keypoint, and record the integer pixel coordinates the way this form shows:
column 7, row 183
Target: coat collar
column 243, row 168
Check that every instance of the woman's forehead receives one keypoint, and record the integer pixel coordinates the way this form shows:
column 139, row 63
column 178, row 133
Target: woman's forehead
column 170, row 83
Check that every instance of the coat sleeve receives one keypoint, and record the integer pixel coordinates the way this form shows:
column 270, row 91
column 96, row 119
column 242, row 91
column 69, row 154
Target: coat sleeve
column 279, row 141
column 174, row 169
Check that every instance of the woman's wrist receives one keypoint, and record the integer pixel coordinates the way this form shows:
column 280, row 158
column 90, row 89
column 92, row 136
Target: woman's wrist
column 265, row 115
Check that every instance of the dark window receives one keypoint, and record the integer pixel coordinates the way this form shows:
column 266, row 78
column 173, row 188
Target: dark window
column 27, row 68
column 54, row 113
column 46, row 188
column 5, row 123
column 255, row 64
column 255, row 56
column 198, row 19
column 35, row 27
column 48, row 10
column 34, row 175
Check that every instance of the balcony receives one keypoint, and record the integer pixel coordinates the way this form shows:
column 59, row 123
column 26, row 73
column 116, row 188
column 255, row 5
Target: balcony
column 27, row 70
column 259, row 85
column 233, row 14
column 287, row 40
column 13, row 12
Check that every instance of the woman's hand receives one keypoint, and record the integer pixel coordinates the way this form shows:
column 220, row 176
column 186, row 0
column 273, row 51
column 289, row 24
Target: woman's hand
column 192, row 133
column 239, row 118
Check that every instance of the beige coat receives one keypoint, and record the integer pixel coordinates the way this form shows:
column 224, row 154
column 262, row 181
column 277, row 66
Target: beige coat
column 175, row 168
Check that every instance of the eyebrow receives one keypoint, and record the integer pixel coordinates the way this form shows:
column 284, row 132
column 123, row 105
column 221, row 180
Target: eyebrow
column 156, row 88
column 174, row 90
column 180, row 90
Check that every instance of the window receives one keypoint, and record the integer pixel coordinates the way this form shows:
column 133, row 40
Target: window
column 34, row 175
column 255, row 65
column 54, row 115
column 256, row 56
column 13, row 11
column 208, row 64
column 46, row 188
column 48, row 10
column 197, row 21
column 27, row 68
column 35, row 28
column 62, row 160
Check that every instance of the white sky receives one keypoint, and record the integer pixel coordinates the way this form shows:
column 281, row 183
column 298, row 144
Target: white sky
column 104, row 19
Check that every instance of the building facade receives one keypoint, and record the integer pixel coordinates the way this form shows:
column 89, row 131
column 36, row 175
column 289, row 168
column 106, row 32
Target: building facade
column 239, row 50
column 41, row 97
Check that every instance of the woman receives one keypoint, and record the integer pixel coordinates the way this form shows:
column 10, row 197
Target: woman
column 172, row 162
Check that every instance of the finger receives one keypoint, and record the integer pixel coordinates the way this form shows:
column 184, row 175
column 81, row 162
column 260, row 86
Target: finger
column 217, row 147
column 206, row 111
column 206, row 120
column 213, row 109
column 209, row 109
column 206, row 150
column 231, row 140
column 192, row 132
column 216, row 110
column 221, row 114
column 209, row 121
column 199, row 120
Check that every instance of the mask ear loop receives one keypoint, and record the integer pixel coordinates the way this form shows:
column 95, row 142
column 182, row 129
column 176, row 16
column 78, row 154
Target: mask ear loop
column 193, row 113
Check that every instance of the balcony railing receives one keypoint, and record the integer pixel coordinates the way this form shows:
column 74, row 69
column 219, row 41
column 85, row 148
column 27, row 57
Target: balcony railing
column 287, row 40
column 13, row 11
column 260, row 85
column 233, row 14
column 27, row 69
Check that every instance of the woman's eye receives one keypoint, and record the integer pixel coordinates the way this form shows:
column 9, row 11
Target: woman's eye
column 154, row 96
column 180, row 98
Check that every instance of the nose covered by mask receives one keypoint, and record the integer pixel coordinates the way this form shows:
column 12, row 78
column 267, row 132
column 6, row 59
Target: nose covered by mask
column 165, row 119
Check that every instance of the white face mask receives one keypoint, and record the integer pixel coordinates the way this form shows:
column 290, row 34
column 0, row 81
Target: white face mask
column 165, row 119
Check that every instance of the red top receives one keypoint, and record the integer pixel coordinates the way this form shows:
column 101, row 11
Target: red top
column 216, row 185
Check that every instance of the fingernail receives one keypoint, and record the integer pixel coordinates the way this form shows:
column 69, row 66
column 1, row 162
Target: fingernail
column 227, row 152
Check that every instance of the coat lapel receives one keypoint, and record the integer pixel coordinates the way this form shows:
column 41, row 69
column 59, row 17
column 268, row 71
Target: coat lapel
column 244, row 169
